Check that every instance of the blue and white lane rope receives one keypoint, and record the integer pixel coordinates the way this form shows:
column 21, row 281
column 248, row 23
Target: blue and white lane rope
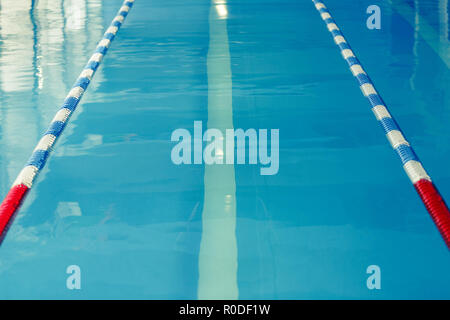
column 38, row 158
column 433, row 201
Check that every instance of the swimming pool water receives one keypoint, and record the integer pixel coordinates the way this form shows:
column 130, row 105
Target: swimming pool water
column 111, row 201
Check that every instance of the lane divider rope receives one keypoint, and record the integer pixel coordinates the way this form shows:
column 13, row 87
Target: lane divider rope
column 427, row 191
column 24, row 180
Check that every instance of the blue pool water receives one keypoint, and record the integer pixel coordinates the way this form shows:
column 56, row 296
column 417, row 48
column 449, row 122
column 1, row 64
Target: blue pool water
column 111, row 201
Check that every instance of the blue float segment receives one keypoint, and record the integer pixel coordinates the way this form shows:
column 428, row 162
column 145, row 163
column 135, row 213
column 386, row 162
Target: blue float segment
column 82, row 82
column 101, row 50
column 362, row 79
column 344, row 46
column 38, row 158
column 351, row 61
column 70, row 103
column 110, row 36
column 375, row 100
column 93, row 65
column 336, row 33
column 55, row 128
column 406, row 153
column 389, row 124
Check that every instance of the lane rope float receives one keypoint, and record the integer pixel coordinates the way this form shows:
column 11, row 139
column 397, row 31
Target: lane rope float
column 24, row 180
column 426, row 189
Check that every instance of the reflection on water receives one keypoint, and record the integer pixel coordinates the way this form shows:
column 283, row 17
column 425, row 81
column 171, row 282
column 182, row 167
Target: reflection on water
column 218, row 247
column 429, row 34
column 44, row 45
column 17, row 82
column 17, row 52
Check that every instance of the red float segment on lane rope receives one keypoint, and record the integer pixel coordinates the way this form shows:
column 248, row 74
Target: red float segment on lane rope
column 10, row 205
column 436, row 206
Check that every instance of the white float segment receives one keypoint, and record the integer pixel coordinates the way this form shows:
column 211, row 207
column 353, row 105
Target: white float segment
column 119, row 18
column 415, row 171
column 325, row 15
column 26, row 176
column 62, row 115
column 339, row 39
column 347, row 53
column 112, row 29
column 396, row 138
column 332, row 26
column 357, row 69
column 320, row 6
column 87, row 73
column 97, row 57
column 104, row 43
column 381, row 112
column 76, row 92
column 367, row 89
column 46, row 142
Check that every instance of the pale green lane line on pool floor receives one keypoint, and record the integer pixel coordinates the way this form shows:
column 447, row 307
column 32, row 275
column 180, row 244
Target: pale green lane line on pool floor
column 218, row 246
column 437, row 43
